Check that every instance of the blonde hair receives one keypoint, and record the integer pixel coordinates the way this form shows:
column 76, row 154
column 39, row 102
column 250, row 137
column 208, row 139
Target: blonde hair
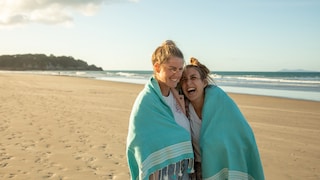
column 167, row 50
column 202, row 69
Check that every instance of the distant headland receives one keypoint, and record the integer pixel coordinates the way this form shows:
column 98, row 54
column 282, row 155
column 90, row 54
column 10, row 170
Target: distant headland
column 25, row 62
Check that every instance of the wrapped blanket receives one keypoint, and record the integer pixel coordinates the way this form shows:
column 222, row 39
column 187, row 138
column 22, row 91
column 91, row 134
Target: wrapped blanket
column 154, row 139
column 227, row 144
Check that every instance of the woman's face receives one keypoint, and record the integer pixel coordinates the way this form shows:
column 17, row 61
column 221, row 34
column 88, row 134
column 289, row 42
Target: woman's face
column 192, row 85
column 169, row 74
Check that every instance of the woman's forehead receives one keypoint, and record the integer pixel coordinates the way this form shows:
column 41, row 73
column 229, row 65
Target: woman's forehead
column 191, row 71
column 174, row 59
column 175, row 62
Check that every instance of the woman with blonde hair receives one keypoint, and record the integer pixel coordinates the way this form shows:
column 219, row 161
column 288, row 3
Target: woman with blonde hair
column 224, row 143
column 159, row 141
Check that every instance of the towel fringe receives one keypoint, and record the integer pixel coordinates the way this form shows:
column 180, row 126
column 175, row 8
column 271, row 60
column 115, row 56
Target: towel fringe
column 180, row 172
column 191, row 165
column 164, row 173
column 166, row 176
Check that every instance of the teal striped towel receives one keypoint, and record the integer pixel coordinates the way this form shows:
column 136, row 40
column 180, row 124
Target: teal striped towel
column 227, row 143
column 154, row 139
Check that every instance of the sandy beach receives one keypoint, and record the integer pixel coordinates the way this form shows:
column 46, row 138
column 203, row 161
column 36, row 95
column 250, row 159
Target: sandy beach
column 58, row 127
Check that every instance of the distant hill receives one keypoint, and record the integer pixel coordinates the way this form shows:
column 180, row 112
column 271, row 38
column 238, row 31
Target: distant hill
column 23, row 62
column 295, row 70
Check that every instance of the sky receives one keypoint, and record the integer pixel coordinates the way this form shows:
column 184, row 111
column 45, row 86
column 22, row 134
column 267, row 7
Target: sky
column 225, row 35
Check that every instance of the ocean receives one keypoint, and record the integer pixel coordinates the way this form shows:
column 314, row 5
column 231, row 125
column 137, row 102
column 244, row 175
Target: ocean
column 295, row 85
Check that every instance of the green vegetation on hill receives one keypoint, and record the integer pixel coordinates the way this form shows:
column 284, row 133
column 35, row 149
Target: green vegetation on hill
column 22, row 62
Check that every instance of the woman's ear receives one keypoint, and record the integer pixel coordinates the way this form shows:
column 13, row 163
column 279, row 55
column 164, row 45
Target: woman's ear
column 156, row 67
column 205, row 83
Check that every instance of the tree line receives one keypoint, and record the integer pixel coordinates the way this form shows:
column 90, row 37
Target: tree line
column 23, row 62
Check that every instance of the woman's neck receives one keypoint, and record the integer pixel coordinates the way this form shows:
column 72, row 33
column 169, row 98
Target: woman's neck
column 165, row 90
column 197, row 105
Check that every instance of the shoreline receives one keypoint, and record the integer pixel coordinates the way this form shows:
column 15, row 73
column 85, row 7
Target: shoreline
column 307, row 94
column 64, row 127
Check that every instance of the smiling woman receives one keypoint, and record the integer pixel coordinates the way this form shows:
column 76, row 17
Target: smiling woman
column 216, row 125
column 159, row 141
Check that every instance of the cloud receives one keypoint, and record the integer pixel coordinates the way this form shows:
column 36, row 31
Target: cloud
column 21, row 12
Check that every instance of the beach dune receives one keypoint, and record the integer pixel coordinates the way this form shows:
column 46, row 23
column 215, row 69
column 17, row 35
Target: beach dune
column 59, row 127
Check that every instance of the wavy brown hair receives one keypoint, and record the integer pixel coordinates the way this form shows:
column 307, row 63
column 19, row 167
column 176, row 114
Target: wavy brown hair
column 202, row 69
column 164, row 52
